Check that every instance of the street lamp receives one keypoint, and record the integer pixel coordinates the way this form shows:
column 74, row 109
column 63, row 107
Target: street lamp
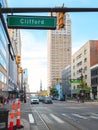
column 24, row 88
column 82, row 91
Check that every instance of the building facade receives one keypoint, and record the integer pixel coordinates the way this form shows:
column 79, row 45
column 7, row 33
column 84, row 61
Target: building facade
column 3, row 54
column 84, row 58
column 66, row 85
column 14, row 75
column 94, row 81
column 59, row 50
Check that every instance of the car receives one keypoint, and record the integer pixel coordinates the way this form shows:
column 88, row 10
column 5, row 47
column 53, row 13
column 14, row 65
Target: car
column 47, row 100
column 34, row 100
column 41, row 98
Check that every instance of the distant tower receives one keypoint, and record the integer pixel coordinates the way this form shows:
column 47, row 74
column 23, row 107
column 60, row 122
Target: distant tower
column 59, row 50
column 40, row 86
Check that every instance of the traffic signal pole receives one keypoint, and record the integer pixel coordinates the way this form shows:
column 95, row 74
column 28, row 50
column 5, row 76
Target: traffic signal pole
column 41, row 10
column 37, row 10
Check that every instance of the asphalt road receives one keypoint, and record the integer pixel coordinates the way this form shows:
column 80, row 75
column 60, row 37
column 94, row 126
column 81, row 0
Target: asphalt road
column 62, row 115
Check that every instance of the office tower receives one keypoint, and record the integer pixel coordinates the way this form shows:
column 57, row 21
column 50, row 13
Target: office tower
column 14, row 75
column 3, row 55
column 59, row 50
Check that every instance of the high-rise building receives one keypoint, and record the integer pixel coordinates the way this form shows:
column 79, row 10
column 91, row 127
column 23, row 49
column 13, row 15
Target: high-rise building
column 59, row 50
column 3, row 54
column 14, row 75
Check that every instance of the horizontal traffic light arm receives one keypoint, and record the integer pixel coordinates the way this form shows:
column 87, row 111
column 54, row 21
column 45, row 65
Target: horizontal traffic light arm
column 40, row 10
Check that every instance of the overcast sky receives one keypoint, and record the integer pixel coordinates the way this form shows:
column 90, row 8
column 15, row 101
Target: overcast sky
column 34, row 42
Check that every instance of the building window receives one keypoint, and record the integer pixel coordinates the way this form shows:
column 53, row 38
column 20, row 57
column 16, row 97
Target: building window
column 85, row 76
column 74, row 67
column 73, row 60
column 85, row 51
column 85, row 68
column 3, row 78
column 79, row 56
column 85, row 60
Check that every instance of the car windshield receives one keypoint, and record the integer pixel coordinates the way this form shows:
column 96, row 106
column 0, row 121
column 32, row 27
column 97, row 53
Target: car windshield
column 48, row 98
column 34, row 97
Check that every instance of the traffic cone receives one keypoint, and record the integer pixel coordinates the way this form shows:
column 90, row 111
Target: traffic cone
column 11, row 125
column 18, row 122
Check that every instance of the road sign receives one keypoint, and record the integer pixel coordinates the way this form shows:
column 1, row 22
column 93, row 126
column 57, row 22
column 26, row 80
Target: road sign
column 31, row 22
column 74, row 81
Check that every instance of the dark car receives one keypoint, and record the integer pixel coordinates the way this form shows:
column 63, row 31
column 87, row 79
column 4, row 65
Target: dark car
column 41, row 98
column 47, row 100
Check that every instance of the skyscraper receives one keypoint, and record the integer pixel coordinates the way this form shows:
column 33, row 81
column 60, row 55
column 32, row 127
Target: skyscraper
column 59, row 50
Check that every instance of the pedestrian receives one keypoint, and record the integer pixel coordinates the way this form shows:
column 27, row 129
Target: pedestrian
column 78, row 99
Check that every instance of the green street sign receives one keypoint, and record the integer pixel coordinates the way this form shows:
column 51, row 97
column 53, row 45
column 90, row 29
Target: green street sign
column 74, row 81
column 31, row 22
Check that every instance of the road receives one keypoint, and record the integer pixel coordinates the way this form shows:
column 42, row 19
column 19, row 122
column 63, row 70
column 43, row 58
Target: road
column 64, row 115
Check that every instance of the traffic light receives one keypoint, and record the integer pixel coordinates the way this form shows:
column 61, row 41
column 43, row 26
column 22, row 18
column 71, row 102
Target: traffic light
column 18, row 59
column 60, row 20
column 20, row 70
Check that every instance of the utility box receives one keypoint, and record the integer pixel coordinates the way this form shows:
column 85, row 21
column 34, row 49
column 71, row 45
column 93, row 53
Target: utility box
column 4, row 119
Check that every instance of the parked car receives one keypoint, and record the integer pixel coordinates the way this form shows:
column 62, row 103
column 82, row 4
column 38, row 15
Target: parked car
column 34, row 100
column 47, row 100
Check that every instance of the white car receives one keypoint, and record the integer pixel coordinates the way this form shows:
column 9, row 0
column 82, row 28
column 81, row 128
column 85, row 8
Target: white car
column 34, row 100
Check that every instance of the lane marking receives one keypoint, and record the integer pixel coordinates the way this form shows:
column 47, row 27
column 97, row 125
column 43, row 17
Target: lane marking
column 82, row 117
column 57, row 118
column 31, row 119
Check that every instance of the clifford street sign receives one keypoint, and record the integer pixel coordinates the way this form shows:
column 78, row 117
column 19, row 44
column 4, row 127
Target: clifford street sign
column 31, row 22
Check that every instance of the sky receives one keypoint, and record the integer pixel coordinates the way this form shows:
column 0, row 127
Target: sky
column 34, row 42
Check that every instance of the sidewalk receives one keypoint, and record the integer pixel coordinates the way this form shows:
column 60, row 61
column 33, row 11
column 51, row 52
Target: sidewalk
column 85, row 102
column 23, row 119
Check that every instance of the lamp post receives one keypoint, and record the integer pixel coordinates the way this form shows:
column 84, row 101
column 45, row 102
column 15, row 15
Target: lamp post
column 24, row 88
column 82, row 91
column 24, row 93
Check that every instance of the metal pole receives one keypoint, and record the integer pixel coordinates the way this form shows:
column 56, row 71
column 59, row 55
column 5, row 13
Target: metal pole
column 82, row 91
column 40, row 10
column 24, row 93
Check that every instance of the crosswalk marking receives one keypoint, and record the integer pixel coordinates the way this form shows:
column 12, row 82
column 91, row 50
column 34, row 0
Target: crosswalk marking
column 77, row 115
column 94, row 117
column 95, row 114
column 45, row 117
column 57, row 118
column 31, row 119
column 66, row 115
column 49, row 118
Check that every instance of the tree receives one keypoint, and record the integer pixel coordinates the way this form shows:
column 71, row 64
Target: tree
column 83, row 85
column 53, row 92
column 84, row 88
